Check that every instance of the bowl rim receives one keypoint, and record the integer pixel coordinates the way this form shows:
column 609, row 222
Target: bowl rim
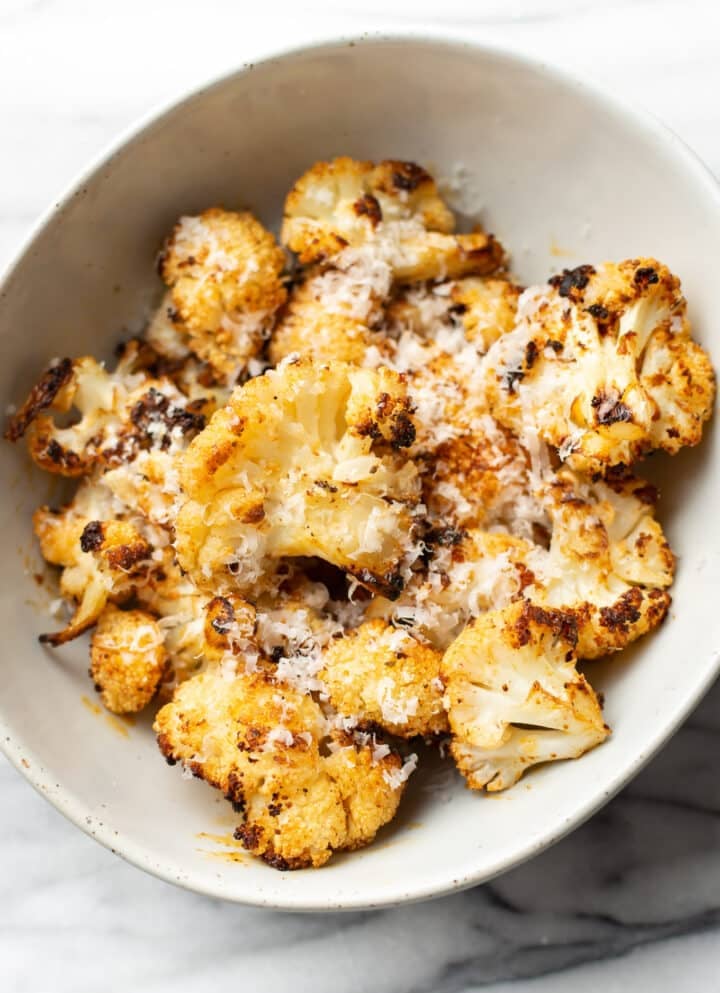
column 22, row 757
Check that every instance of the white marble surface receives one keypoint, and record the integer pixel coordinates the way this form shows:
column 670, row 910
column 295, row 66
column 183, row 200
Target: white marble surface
column 614, row 904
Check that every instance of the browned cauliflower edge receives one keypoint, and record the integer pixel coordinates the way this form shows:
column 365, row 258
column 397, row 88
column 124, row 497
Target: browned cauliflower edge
column 127, row 659
column 391, row 211
column 304, row 461
column 119, row 415
column 383, row 676
column 224, row 272
column 303, row 792
column 514, row 697
column 602, row 366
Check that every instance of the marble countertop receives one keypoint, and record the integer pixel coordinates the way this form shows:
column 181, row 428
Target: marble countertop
column 632, row 899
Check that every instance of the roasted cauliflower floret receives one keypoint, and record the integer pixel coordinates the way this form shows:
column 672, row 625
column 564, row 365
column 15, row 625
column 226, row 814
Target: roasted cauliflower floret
column 303, row 791
column 328, row 315
column 383, row 676
column 486, row 308
column 602, row 366
column 481, row 478
column 390, row 213
column 376, row 494
column 149, row 485
column 514, row 697
column 465, row 573
column 224, row 273
column 608, row 562
column 166, row 333
column 127, row 659
column 304, row 461
column 482, row 310
column 230, row 626
column 340, row 203
column 119, row 415
column 429, row 256
column 101, row 561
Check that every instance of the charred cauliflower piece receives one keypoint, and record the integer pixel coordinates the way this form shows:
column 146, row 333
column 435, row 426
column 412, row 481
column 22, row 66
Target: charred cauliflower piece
column 465, row 574
column 304, row 461
column 149, row 485
column 392, row 212
column 514, row 697
column 223, row 269
column 486, row 308
column 101, row 561
column 439, row 342
column 479, row 310
column 119, row 415
column 383, row 676
column 127, row 659
column 608, row 563
column 602, row 366
column 166, row 333
column 329, row 314
column 340, row 203
column 481, row 478
column 303, row 792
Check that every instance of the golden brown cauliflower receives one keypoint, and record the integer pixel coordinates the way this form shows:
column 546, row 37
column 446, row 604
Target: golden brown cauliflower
column 119, row 415
column 340, row 203
column 101, row 560
column 481, row 478
column 346, row 210
column 230, row 627
column 304, row 461
column 486, row 308
column 481, row 310
column 328, row 315
column 166, row 333
column 149, row 485
column 127, row 659
column 304, row 791
column 514, row 697
column 383, row 676
column 601, row 365
column 464, row 573
column 224, row 273
column 608, row 564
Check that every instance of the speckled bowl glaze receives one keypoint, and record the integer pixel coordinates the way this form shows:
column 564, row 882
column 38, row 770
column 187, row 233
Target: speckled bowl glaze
column 563, row 174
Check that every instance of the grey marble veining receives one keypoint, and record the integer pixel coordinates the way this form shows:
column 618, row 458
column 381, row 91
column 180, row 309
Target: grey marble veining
column 645, row 870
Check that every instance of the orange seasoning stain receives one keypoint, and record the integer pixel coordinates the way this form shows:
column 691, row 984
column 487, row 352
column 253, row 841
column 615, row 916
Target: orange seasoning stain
column 119, row 724
column 558, row 252
column 233, row 852
column 94, row 708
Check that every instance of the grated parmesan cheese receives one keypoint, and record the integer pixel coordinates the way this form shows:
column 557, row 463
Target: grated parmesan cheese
column 396, row 777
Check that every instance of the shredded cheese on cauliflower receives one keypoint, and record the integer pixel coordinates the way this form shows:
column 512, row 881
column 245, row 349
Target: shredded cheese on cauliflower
column 378, row 494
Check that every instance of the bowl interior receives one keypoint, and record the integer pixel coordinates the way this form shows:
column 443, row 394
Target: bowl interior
column 562, row 176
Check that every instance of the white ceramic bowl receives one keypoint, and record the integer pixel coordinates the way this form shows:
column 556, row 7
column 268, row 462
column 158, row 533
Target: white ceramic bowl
column 552, row 163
